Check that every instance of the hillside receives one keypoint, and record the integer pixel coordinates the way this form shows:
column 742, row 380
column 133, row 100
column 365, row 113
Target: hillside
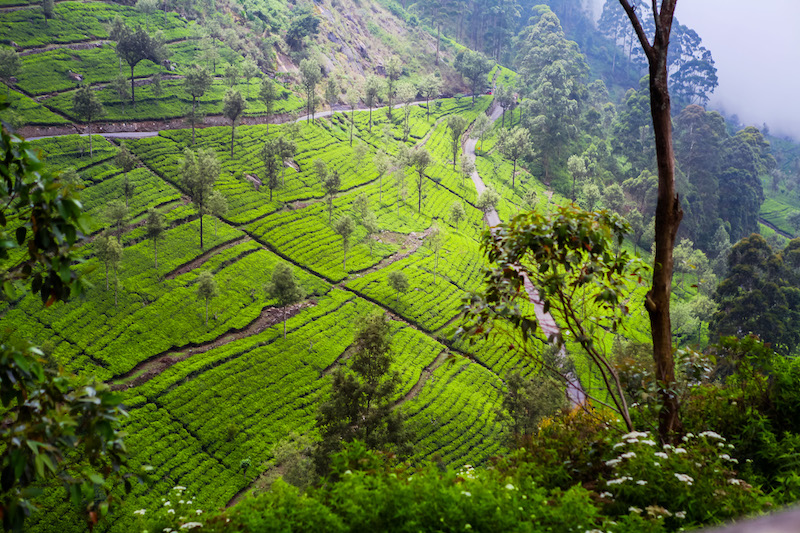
column 216, row 392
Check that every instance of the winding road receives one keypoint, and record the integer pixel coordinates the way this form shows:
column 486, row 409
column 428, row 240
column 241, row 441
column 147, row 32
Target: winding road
column 574, row 390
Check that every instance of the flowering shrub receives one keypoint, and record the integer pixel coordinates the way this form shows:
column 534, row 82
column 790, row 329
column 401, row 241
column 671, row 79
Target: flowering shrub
column 177, row 513
column 693, row 483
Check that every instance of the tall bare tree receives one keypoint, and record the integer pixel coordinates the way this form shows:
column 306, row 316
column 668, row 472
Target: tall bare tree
column 668, row 208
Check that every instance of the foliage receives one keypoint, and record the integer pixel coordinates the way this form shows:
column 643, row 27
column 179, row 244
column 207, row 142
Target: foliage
column 360, row 406
column 207, row 288
column 284, row 288
column 48, row 415
column 574, row 259
column 200, row 171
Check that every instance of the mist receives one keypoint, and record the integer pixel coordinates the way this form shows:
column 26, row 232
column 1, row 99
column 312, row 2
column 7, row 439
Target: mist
column 756, row 48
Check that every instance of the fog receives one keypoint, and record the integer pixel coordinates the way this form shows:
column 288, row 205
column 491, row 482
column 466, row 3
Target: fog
column 756, row 47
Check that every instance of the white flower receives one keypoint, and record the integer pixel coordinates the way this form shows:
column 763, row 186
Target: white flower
column 680, row 450
column 649, row 442
column 181, row 502
column 667, row 447
column 510, row 487
column 347, row 473
column 634, row 510
column 712, row 434
column 656, row 464
column 685, row 478
column 179, row 488
column 734, row 481
column 613, row 462
column 171, row 511
column 606, row 495
column 140, row 512
column 627, row 455
column 189, row 502
column 641, row 482
column 167, row 504
column 725, row 456
column 662, row 455
column 617, row 481
column 680, row 514
column 635, row 435
column 465, row 493
column 167, row 530
column 199, row 511
column 721, row 444
column 731, row 446
column 619, row 444
column 632, row 441
column 191, row 525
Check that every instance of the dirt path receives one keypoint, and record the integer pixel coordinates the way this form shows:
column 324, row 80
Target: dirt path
column 424, row 376
column 153, row 366
column 574, row 389
column 205, row 256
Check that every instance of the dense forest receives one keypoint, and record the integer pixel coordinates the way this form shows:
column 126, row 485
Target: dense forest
column 378, row 265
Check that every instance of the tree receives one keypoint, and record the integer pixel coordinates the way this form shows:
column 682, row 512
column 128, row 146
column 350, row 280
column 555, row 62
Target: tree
column 574, row 258
column 48, row 9
column 529, row 199
column 155, row 227
column 590, row 196
column 86, row 106
column 196, row 82
column 487, row 200
column 759, row 295
column 360, row 404
column 286, row 151
column 473, row 66
column 393, row 71
column 576, row 166
column 9, row 66
column 270, row 154
column 116, row 213
column 370, row 223
column 331, row 184
column 200, row 171
column 516, row 145
column 668, row 210
column 331, row 92
column 232, row 108
column 456, row 124
column 207, row 289
column 383, row 164
column 284, row 288
column 406, row 93
column 146, row 8
column 303, row 26
column 479, row 129
column 372, row 88
column 467, row 169
column 398, row 282
column 135, row 46
column 109, row 252
column 311, row 74
column 155, row 85
column 71, row 178
column 435, row 242
column 249, row 71
column 360, row 152
column 457, row 212
column 419, row 159
column 125, row 160
column 429, row 88
column 345, row 227
column 526, row 402
column 120, row 86
column 269, row 94
column 231, row 75
column 217, row 207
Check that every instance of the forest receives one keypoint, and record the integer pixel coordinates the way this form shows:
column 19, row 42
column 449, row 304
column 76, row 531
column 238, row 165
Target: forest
column 380, row 265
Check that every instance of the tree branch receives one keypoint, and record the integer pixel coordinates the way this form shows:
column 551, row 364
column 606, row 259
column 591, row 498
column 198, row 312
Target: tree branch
column 637, row 26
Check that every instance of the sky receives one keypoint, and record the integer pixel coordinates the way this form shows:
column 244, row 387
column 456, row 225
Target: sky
column 756, row 47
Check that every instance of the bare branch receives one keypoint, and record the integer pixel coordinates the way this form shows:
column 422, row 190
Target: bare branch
column 637, row 26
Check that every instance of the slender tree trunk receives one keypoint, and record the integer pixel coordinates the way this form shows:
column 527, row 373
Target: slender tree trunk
column 91, row 151
column 133, row 89
column 201, row 227
column 514, row 175
column 194, row 115
column 284, row 321
column 352, row 124
column 370, row 119
column 668, row 215
column 233, row 133
column 206, row 312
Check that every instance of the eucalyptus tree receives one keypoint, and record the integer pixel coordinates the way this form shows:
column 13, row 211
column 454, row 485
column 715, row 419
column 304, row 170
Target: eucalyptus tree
column 310, row 76
column 87, row 107
column 154, row 229
column 10, row 65
column 196, row 81
column 200, row 170
column 284, row 288
column 135, row 46
column 430, row 87
column 457, row 125
column 345, row 227
column 269, row 95
column 372, row 88
column 232, row 108
column 207, row 289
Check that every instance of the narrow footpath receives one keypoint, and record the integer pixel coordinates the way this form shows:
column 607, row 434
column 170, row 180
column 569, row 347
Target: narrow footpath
column 574, row 389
